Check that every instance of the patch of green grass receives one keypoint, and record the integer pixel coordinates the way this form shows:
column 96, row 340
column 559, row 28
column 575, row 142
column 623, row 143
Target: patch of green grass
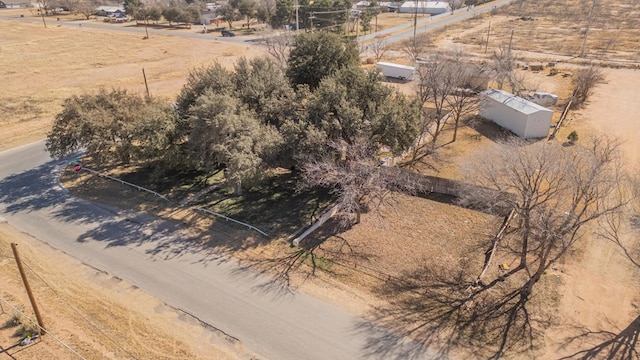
column 273, row 205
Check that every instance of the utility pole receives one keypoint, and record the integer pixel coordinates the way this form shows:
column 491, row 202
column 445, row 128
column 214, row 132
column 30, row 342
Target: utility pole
column 586, row 32
column 145, row 83
column 32, row 299
column 415, row 22
column 488, row 32
column 297, row 20
column 510, row 41
column 146, row 24
column 42, row 9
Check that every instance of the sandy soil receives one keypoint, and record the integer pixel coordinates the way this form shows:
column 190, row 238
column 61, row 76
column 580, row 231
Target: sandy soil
column 613, row 109
column 600, row 292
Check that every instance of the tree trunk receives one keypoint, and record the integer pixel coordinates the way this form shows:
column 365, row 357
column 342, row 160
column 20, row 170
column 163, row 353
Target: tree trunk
column 455, row 129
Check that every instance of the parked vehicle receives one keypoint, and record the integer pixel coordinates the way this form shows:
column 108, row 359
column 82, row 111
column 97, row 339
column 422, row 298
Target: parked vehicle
column 401, row 72
column 226, row 33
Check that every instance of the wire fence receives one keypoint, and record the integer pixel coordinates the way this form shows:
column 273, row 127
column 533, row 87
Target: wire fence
column 48, row 331
column 140, row 188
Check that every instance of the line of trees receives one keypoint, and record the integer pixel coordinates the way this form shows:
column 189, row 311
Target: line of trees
column 175, row 12
column 276, row 13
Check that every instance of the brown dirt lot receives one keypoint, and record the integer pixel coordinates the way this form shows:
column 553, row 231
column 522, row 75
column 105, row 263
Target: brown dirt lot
column 42, row 67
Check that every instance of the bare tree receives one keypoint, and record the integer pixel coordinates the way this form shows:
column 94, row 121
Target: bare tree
column 463, row 100
column 503, row 66
column 278, row 46
column 353, row 173
column 555, row 191
column 416, row 47
column 86, row 8
column 379, row 48
column 435, row 82
column 584, row 80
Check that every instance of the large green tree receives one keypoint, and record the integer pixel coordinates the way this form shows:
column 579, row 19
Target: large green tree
column 353, row 104
column 352, row 118
column 317, row 55
column 227, row 136
column 228, row 13
column 262, row 96
column 246, row 8
column 285, row 11
column 262, row 86
column 131, row 7
column 113, row 126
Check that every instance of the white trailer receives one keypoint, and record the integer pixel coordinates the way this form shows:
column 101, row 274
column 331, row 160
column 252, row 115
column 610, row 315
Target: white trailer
column 402, row 72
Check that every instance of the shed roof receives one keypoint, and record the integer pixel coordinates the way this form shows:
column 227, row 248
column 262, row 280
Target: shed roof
column 110, row 8
column 514, row 102
column 426, row 4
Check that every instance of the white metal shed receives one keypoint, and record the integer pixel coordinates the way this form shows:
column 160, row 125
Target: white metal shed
column 524, row 118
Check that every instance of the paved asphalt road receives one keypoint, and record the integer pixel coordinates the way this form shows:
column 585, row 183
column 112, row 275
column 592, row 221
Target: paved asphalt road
column 158, row 257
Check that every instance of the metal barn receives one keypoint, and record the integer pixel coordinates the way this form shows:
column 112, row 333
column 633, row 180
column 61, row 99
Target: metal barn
column 524, row 118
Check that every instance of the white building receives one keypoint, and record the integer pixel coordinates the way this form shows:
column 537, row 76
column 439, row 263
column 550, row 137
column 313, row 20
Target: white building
column 425, row 7
column 524, row 118
column 361, row 5
column 109, row 10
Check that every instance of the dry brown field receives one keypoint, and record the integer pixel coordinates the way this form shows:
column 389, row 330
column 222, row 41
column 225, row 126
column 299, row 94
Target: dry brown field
column 557, row 28
column 42, row 67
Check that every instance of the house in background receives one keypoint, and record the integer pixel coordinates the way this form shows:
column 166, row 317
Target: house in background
column 524, row 118
column 110, row 11
column 425, row 7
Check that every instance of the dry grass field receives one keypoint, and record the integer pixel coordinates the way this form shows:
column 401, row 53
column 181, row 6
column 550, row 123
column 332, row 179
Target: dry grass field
column 557, row 28
column 42, row 67
column 597, row 285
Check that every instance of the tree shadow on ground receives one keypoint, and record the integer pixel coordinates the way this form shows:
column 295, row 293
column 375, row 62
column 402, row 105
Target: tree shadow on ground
column 302, row 261
column 609, row 345
column 489, row 129
column 38, row 190
column 437, row 307
column 275, row 205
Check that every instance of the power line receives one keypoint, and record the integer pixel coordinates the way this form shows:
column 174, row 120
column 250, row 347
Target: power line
column 78, row 311
column 48, row 331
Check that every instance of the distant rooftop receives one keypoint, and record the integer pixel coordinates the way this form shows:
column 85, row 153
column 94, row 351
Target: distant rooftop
column 514, row 102
column 426, row 4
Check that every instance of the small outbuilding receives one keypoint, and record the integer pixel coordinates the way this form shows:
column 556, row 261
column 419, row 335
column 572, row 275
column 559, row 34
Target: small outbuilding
column 524, row 118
